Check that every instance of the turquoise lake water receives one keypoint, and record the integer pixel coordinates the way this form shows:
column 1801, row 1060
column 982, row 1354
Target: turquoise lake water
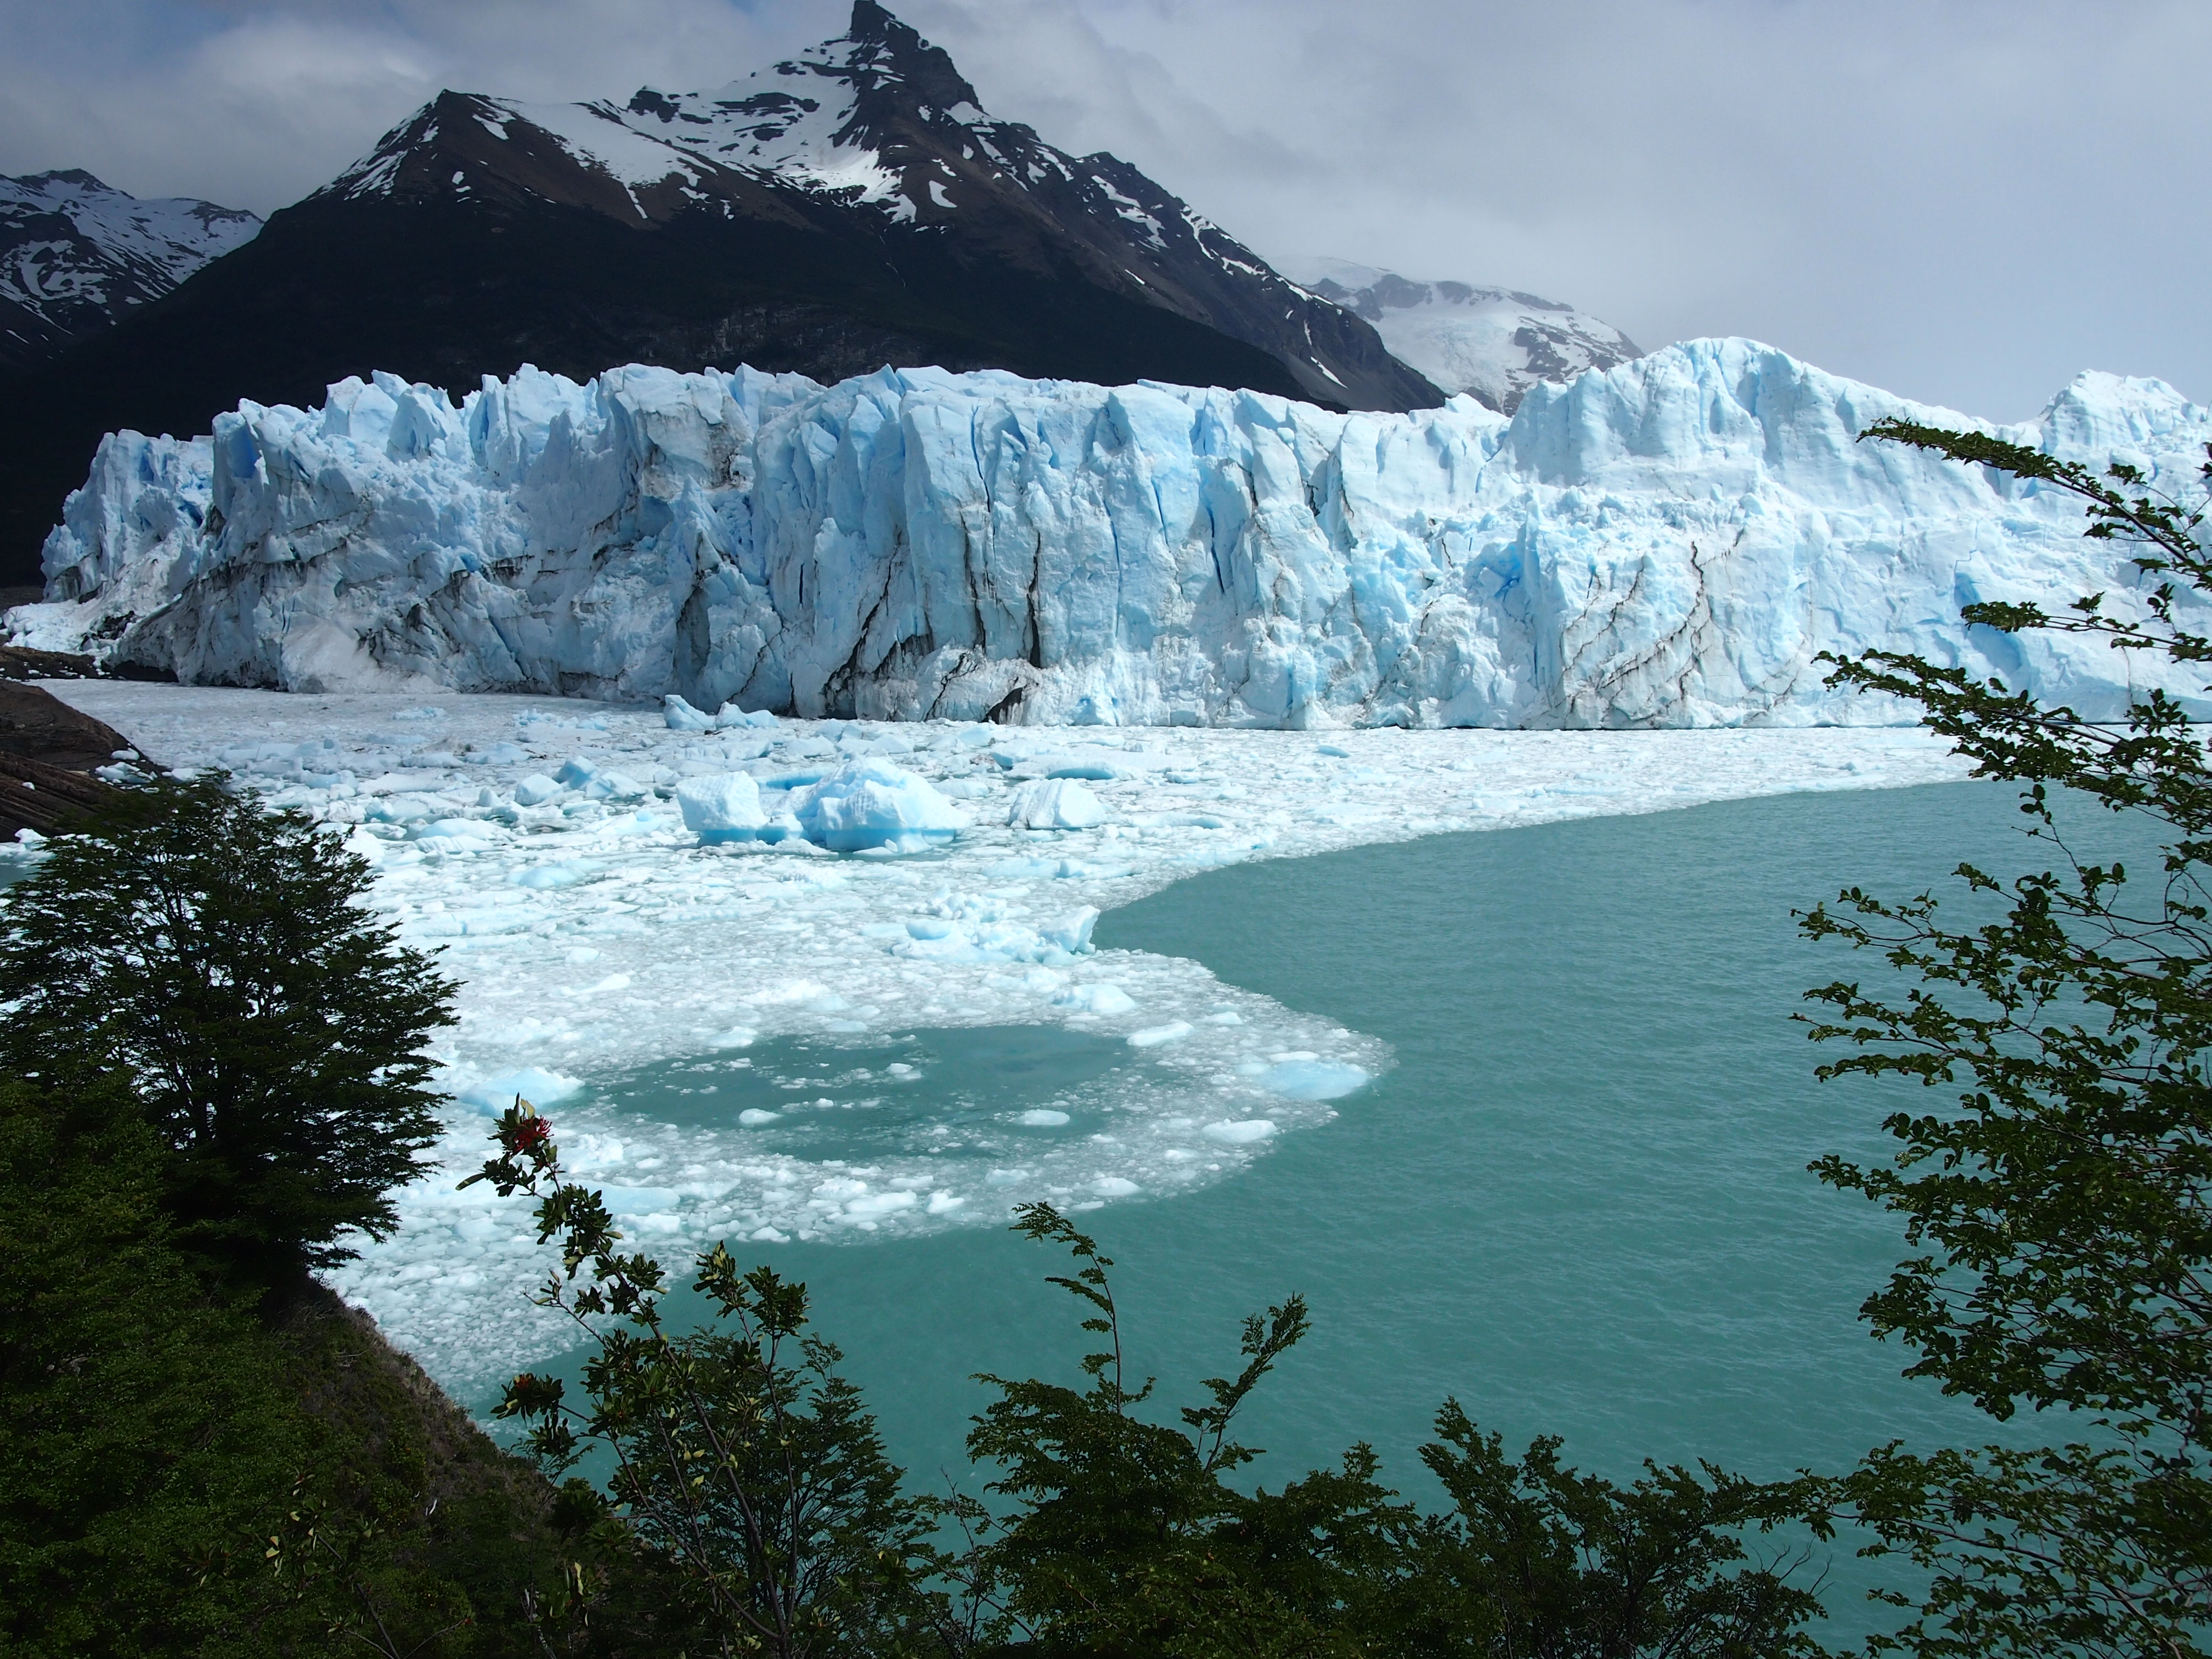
column 1578, row 1202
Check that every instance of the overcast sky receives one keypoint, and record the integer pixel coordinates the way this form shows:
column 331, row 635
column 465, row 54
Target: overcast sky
column 1962, row 201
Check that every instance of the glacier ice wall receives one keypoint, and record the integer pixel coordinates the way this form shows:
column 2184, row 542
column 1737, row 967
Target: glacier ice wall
column 1672, row 541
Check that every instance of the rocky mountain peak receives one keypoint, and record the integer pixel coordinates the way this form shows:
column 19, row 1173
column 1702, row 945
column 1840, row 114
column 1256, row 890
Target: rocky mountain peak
column 76, row 254
column 878, row 128
column 1492, row 344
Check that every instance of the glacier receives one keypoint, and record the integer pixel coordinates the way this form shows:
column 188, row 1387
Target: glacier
column 1669, row 543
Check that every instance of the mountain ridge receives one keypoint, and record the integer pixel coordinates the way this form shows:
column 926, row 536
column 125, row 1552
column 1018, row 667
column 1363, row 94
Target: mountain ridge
column 1493, row 343
column 826, row 216
column 77, row 255
column 885, row 136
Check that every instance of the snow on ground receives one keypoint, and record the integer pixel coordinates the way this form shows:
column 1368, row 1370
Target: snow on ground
column 537, row 843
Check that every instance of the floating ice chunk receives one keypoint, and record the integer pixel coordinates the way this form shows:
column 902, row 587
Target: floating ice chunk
column 752, row 1117
column 547, row 877
column 614, row 785
column 535, row 790
column 1242, row 1134
column 944, row 1203
column 1095, row 999
column 577, row 771
column 636, row 1203
column 1054, row 803
column 882, row 743
column 1041, row 1117
column 1312, row 1079
column 783, row 831
column 408, row 808
column 1114, row 1187
column 731, row 716
column 872, row 803
column 1153, row 1036
column 683, row 717
column 1071, row 933
column 723, row 807
column 540, row 1088
column 876, row 1204
column 737, row 1036
column 769, row 1235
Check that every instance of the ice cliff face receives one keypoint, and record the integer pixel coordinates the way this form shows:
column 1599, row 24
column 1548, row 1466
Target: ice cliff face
column 1492, row 344
column 1671, row 542
column 76, row 255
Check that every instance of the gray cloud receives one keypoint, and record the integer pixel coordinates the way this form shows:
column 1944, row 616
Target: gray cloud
column 1964, row 203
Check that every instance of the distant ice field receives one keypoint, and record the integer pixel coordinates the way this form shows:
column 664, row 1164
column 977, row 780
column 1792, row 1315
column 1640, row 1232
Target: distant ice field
column 776, row 1042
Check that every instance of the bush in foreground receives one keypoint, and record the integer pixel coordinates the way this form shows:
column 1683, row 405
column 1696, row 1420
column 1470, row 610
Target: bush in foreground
column 757, row 1476
column 214, row 961
column 2060, row 1208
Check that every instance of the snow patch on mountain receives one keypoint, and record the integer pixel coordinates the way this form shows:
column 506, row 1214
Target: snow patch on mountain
column 1492, row 344
column 1672, row 541
column 878, row 128
column 76, row 255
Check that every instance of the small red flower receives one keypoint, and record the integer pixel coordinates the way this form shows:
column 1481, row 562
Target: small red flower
column 531, row 1134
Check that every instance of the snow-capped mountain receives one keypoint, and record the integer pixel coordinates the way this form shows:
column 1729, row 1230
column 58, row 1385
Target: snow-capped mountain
column 76, row 255
column 1492, row 344
column 1672, row 541
column 879, row 125
column 851, row 208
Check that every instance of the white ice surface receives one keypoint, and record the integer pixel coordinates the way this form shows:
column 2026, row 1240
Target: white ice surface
column 1671, row 543
column 592, row 934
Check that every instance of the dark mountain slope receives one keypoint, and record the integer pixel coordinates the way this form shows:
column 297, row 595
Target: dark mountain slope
column 839, row 211
column 76, row 256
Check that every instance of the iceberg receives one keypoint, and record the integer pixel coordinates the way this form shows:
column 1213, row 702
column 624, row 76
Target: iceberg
column 1672, row 541
column 681, row 716
column 722, row 807
column 869, row 803
column 1054, row 803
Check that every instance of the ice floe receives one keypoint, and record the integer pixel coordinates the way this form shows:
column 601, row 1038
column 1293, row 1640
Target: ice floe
column 571, row 862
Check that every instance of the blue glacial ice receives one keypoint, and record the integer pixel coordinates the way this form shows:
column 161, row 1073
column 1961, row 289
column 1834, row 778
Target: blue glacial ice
column 871, row 803
column 1055, row 803
column 1669, row 543
column 721, row 806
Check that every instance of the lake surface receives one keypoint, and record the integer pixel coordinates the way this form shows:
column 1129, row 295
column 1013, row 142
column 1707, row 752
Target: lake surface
column 1578, row 1202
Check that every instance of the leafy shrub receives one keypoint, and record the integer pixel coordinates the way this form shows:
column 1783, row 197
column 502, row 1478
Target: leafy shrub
column 214, row 961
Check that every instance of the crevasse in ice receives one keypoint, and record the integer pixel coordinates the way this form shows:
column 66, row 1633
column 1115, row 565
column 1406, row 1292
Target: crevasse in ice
column 1673, row 543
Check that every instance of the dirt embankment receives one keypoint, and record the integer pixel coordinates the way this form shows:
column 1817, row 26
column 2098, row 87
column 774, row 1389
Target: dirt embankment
column 47, row 754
